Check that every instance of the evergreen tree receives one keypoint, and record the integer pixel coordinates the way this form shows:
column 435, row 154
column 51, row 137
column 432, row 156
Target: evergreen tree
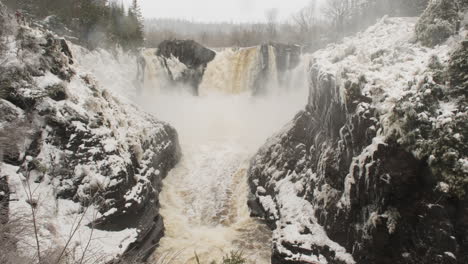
column 136, row 25
column 94, row 22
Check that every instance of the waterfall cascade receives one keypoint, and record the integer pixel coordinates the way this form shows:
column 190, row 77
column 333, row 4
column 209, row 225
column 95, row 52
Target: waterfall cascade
column 254, row 70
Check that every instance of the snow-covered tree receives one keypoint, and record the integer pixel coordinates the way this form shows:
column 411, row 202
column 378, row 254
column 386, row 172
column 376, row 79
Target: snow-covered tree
column 134, row 25
column 438, row 22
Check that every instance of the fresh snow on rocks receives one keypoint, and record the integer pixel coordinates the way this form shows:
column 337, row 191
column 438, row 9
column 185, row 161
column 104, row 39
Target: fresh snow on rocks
column 336, row 185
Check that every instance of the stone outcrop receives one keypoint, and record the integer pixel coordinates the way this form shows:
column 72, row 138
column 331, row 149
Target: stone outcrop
column 188, row 52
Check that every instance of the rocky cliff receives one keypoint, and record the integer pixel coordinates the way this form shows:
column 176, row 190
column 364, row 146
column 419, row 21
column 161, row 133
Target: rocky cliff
column 374, row 169
column 86, row 153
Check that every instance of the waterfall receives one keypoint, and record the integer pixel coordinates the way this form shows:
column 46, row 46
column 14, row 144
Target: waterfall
column 156, row 75
column 251, row 70
column 115, row 71
column 241, row 71
column 204, row 199
column 231, row 72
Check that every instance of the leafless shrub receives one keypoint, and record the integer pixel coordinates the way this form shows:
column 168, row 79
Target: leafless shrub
column 15, row 228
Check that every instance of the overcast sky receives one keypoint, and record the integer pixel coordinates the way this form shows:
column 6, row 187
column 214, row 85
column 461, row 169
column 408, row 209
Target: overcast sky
column 219, row 10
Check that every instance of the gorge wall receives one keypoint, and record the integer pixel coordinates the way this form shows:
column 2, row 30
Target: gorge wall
column 372, row 169
column 75, row 151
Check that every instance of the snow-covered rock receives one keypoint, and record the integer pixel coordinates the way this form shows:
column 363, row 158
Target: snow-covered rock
column 341, row 183
column 83, row 150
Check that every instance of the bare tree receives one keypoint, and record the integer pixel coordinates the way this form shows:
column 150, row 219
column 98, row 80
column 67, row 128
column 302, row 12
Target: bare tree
column 306, row 21
column 338, row 11
column 272, row 21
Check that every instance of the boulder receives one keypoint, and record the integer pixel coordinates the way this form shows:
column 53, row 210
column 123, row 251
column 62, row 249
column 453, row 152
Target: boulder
column 188, row 52
column 194, row 56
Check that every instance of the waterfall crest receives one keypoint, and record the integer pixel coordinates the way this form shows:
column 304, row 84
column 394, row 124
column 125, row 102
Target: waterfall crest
column 254, row 70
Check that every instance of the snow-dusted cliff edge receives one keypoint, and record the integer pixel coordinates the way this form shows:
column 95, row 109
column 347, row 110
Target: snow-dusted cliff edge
column 84, row 154
column 374, row 169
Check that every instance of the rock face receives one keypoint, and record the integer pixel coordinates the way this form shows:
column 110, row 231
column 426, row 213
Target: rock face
column 341, row 183
column 193, row 55
column 80, row 142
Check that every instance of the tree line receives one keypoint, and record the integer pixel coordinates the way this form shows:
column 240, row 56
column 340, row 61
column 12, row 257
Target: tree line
column 317, row 24
column 93, row 23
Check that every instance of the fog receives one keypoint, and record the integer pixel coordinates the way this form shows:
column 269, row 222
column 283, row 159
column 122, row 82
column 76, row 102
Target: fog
column 213, row 11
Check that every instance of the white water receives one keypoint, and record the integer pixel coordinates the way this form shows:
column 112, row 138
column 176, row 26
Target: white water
column 232, row 72
column 204, row 199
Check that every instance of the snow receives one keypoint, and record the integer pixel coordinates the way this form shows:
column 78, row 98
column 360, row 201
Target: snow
column 359, row 162
column 464, row 164
column 56, row 218
column 450, row 254
column 269, row 205
column 48, row 79
column 388, row 58
column 111, row 212
column 296, row 215
column 443, row 187
column 110, row 145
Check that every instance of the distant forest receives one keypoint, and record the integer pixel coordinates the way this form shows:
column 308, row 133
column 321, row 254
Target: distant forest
column 313, row 26
column 93, row 23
